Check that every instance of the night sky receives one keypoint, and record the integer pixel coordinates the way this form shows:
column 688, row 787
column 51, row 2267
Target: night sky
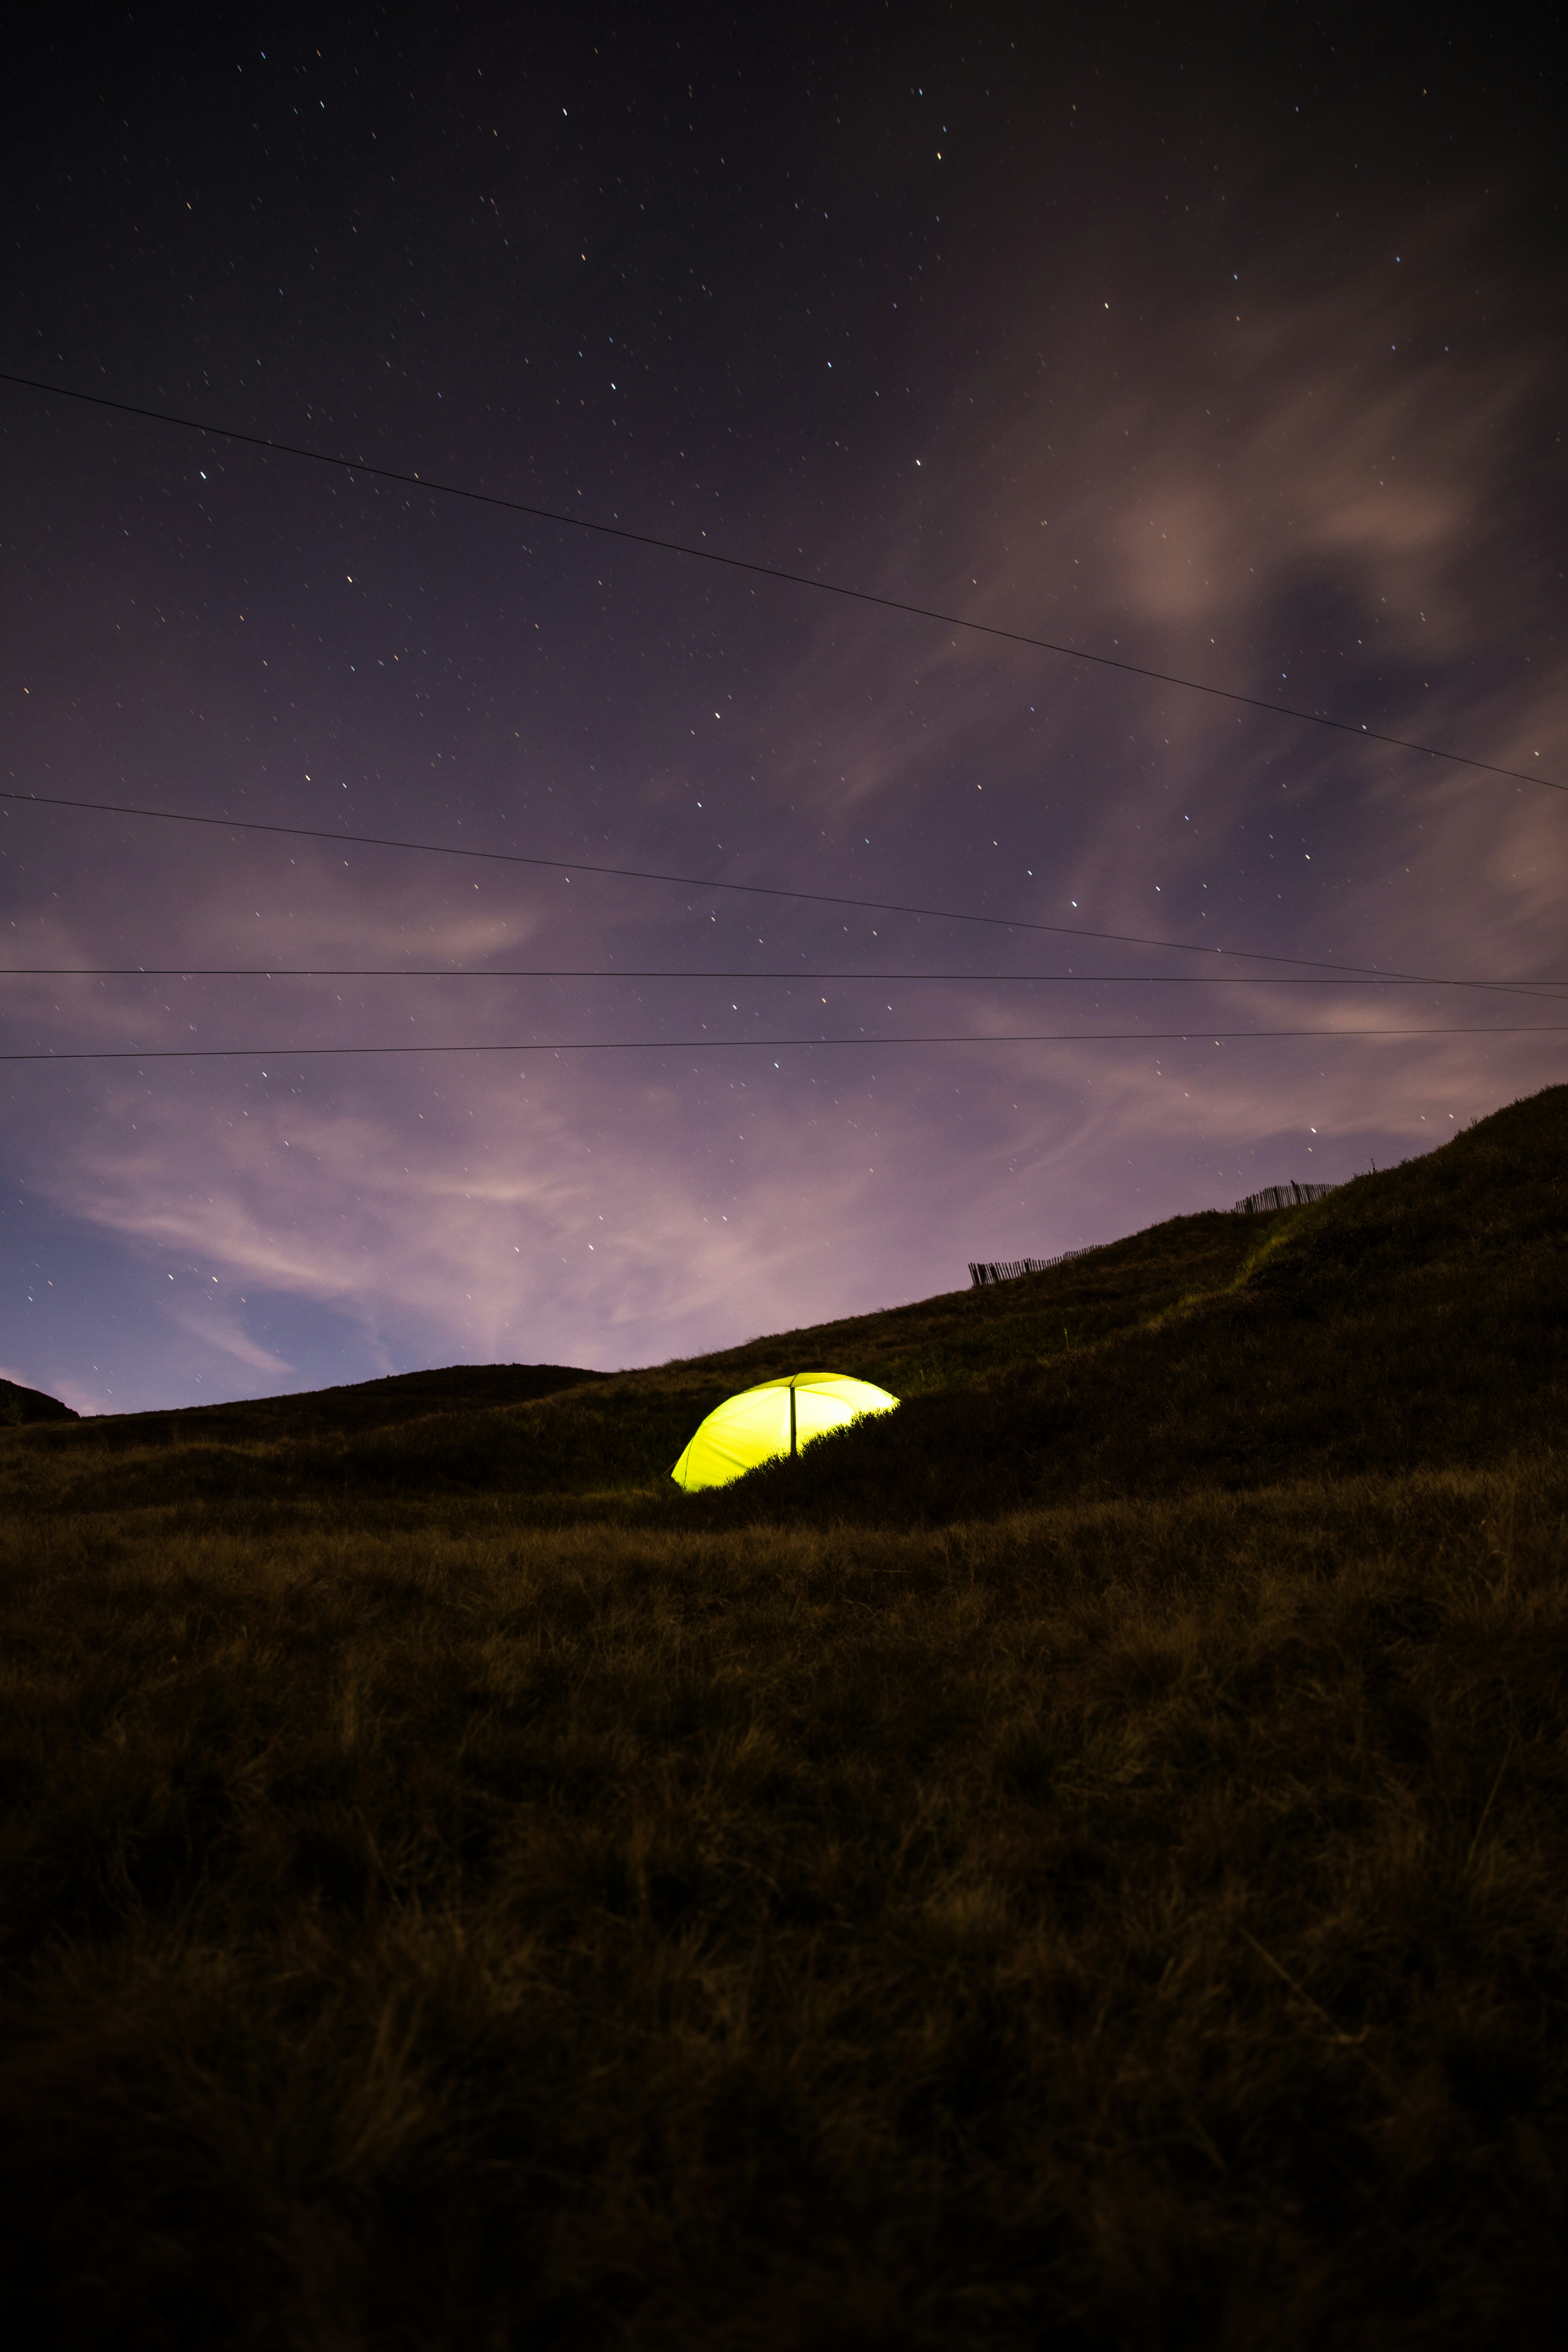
column 1235, row 363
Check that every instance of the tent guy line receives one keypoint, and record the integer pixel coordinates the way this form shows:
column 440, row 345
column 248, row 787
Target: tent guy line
column 773, row 571
column 569, row 866
column 773, row 1045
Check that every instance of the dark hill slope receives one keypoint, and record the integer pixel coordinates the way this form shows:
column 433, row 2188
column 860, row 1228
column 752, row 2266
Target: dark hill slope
column 340, row 1413
column 19, row 1406
column 1418, row 1316
column 627, row 1430
column 482, row 1427
column 963, row 1335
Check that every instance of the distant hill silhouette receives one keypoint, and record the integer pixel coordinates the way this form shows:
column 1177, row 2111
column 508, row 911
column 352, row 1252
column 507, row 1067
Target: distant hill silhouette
column 346, row 1412
column 19, row 1404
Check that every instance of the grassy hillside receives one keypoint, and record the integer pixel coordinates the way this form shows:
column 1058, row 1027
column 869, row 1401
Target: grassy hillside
column 550, row 1432
column 1415, row 1316
column 1079, row 1860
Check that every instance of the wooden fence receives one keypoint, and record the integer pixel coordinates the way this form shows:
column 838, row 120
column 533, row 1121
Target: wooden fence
column 1282, row 1196
column 1008, row 1269
column 1273, row 1196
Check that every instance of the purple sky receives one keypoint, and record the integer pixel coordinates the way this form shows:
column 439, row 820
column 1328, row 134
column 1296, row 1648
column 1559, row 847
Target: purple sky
column 1245, row 367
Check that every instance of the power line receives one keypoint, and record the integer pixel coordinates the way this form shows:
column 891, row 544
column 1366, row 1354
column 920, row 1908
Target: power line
column 698, row 882
column 773, row 1045
column 1541, row 988
column 771, row 571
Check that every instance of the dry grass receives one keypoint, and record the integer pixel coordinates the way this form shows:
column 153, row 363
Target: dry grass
column 1143, row 1923
column 1134, row 1918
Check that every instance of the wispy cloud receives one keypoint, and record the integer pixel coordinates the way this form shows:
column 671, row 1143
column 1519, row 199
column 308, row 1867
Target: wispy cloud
column 217, row 1327
column 1254, row 487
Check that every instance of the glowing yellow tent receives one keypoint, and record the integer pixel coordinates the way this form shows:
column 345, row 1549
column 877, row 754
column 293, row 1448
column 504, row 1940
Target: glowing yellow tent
column 777, row 1418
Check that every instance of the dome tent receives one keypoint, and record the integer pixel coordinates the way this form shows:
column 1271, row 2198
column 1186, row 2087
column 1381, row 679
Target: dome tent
column 777, row 1418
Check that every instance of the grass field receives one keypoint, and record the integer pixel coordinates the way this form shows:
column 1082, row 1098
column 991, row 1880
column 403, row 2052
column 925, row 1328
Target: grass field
column 1080, row 1861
